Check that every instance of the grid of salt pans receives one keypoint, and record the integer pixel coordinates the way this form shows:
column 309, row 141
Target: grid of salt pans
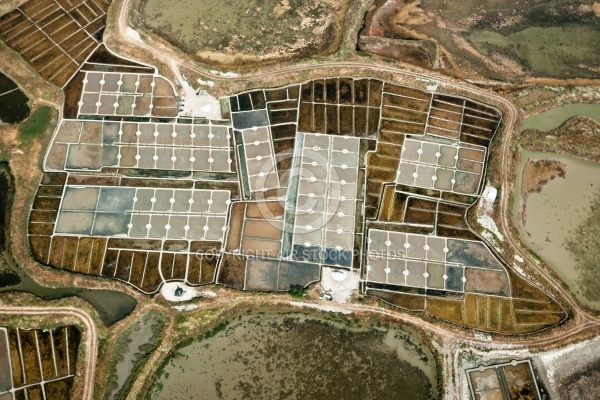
column 326, row 196
column 194, row 214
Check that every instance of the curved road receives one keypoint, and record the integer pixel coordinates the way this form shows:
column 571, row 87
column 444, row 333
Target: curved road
column 91, row 337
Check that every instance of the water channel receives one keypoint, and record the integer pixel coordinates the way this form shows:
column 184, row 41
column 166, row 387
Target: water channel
column 112, row 306
column 556, row 116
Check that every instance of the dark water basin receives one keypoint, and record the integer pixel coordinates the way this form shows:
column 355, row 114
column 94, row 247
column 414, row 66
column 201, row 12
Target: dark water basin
column 14, row 106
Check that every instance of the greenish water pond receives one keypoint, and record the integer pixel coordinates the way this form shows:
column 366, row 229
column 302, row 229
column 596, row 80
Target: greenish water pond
column 298, row 356
column 556, row 116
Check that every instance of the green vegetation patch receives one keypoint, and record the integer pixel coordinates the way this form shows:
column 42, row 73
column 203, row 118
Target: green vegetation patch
column 36, row 124
column 224, row 30
column 297, row 291
column 560, row 41
column 560, row 51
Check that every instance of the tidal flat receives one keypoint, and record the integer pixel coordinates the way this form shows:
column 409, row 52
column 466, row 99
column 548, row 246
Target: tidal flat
column 276, row 355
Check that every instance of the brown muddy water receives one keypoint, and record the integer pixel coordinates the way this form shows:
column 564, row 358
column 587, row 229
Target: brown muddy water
column 555, row 217
column 279, row 355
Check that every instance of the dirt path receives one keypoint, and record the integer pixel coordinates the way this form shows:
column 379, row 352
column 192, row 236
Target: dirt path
column 91, row 337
